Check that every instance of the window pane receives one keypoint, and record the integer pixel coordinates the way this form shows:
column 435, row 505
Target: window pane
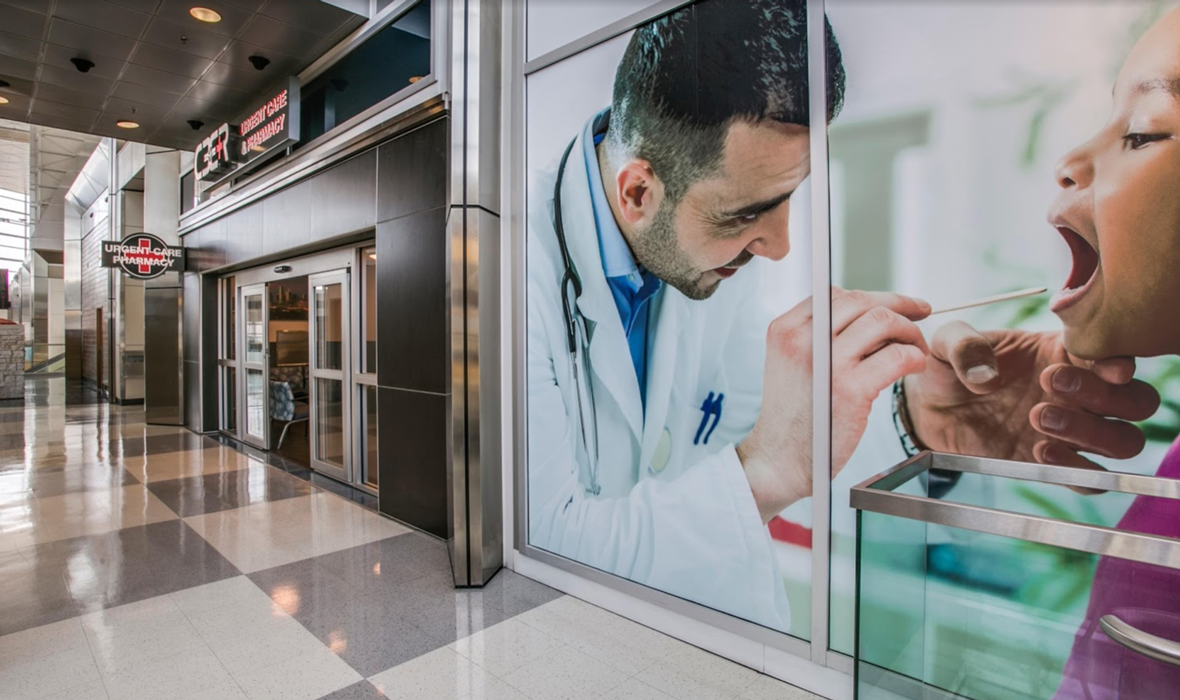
column 391, row 60
column 369, row 435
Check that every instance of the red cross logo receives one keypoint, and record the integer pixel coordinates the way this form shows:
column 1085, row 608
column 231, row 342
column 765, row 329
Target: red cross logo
column 146, row 253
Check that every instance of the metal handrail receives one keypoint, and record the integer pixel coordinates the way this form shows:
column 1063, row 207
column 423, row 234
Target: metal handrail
column 1140, row 642
column 876, row 495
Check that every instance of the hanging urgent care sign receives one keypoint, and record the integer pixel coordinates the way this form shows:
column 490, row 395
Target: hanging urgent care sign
column 143, row 256
column 269, row 125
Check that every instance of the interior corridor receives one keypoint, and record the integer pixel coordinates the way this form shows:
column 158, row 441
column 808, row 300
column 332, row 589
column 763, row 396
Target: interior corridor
column 145, row 562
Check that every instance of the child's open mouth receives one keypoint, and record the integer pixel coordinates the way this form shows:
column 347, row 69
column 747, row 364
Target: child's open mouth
column 1083, row 274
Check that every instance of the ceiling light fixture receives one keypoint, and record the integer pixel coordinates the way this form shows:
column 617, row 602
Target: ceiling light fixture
column 204, row 14
column 372, row 256
column 3, row 100
column 127, row 124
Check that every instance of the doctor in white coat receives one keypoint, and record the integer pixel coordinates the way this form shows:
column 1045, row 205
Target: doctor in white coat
column 669, row 414
column 653, row 454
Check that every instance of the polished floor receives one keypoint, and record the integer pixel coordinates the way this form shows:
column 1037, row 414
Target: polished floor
column 145, row 562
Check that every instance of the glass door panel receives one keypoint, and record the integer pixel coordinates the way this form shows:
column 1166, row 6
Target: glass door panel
column 256, row 428
column 331, row 350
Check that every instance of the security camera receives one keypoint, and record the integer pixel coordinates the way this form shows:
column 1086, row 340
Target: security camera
column 82, row 64
column 259, row 62
column 196, row 124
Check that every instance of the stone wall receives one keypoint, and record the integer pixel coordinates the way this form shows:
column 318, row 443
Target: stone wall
column 12, row 361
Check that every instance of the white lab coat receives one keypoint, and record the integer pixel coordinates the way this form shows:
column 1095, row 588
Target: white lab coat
column 687, row 524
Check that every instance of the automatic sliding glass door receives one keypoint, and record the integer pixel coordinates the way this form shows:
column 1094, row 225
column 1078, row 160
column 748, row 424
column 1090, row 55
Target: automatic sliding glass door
column 331, row 351
column 254, row 420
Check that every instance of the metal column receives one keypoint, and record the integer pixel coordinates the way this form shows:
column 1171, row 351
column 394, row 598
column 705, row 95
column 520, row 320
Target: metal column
column 475, row 481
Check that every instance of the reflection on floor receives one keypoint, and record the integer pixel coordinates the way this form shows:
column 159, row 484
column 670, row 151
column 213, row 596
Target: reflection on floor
column 145, row 562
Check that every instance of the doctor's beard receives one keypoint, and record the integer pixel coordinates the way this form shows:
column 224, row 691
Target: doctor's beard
column 658, row 250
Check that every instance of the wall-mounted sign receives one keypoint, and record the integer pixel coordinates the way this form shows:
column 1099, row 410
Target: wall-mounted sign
column 215, row 154
column 267, row 126
column 143, row 256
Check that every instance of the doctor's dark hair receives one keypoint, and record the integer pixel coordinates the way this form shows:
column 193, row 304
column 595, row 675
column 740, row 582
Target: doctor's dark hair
column 687, row 76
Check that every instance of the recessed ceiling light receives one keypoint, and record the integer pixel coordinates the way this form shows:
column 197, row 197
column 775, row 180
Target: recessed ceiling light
column 372, row 256
column 204, row 14
column 3, row 100
column 127, row 124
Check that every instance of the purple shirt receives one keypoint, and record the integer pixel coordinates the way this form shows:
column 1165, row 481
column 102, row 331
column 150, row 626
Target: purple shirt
column 1143, row 596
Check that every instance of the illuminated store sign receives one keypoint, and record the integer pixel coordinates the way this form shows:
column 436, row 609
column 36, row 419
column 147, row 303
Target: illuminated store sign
column 214, row 156
column 142, row 256
column 271, row 125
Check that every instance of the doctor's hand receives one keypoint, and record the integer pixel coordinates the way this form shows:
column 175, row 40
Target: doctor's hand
column 1019, row 395
column 875, row 342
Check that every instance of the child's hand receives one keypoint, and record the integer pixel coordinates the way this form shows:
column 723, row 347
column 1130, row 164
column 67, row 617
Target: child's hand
column 1019, row 395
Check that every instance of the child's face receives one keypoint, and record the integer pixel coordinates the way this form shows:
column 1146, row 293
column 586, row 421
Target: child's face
column 1119, row 211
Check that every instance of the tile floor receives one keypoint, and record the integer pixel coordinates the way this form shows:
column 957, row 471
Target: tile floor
column 146, row 562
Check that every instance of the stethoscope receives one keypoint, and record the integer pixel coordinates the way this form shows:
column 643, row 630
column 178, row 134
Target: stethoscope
column 577, row 338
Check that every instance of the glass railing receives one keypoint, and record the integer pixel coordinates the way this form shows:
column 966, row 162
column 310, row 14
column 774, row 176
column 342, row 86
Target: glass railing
column 990, row 580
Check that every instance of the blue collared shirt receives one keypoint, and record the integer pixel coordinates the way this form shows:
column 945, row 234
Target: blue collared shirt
column 630, row 285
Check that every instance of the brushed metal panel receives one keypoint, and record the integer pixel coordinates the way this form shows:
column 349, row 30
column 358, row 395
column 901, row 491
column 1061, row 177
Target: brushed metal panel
column 412, row 442
column 458, row 481
column 163, row 371
column 344, row 198
column 412, row 268
column 286, row 218
column 412, row 171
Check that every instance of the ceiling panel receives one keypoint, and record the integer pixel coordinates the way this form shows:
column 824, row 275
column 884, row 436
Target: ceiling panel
column 239, row 53
column 56, row 109
column 158, row 79
column 184, row 38
column 136, row 111
column 212, row 92
column 66, row 96
column 22, row 22
column 19, row 46
column 313, row 15
column 279, row 36
column 17, row 104
column 96, row 41
column 148, row 6
column 99, row 14
column 12, row 67
column 170, row 61
column 153, row 62
column 60, row 56
column 212, row 113
column 233, row 18
column 250, row 80
column 72, row 79
column 146, row 95
column 39, row 6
